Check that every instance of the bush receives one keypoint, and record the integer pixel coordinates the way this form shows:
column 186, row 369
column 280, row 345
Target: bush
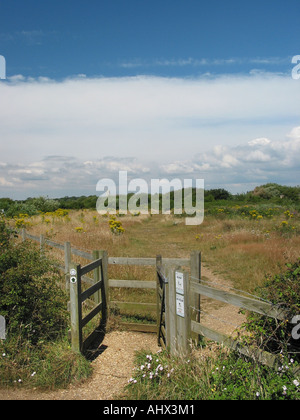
column 36, row 352
column 31, row 299
column 282, row 290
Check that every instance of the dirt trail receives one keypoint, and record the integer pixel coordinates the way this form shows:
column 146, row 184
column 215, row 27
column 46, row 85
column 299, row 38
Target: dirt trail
column 219, row 316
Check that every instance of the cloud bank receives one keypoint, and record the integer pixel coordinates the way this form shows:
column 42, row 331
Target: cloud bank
column 60, row 138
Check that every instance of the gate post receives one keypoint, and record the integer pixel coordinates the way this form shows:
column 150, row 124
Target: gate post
column 195, row 267
column 104, row 287
column 179, row 312
column 75, row 307
column 158, row 298
column 68, row 259
column 97, row 295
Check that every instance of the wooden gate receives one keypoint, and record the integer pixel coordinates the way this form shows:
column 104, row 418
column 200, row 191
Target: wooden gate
column 161, row 304
column 78, row 297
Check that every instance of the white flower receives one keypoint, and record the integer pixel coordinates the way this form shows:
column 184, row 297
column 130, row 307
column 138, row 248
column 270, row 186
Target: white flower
column 33, row 373
column 295, row 382
column 3, row 354
column 257, row 394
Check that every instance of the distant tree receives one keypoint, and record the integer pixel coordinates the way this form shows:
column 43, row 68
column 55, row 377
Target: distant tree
column 219, row 194
column 5, row 203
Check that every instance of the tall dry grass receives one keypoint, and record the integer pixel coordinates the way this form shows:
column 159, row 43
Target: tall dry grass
column 243, row 250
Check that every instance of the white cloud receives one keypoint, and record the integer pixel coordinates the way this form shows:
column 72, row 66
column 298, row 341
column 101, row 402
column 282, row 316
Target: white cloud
column 5, row 183
column 258, row 160
column 260, row 141
column 165, row 124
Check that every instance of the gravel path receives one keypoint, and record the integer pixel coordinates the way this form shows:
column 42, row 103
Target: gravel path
column 112, row 369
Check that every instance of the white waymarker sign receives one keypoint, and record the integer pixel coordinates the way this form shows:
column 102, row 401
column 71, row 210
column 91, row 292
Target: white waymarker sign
column 179, row 283
column 73, row 278
column 180, row 305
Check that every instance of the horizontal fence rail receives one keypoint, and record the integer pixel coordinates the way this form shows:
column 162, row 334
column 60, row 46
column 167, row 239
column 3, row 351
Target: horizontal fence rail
column 242, row 302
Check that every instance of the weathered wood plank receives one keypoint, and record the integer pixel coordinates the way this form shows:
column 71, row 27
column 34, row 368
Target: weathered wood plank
column 140, row 305
column 105, row 289
column 146, row 261
column 54, row 244
column 90, row 291
column 75, row 309
column 138, row 284
column 131, row 261
column 89, row 267
column 171, row 309
column 147, row 328
column 91, row 315
column 261, row 356
column 82, row 254
column 183, row 322
column 253, row 305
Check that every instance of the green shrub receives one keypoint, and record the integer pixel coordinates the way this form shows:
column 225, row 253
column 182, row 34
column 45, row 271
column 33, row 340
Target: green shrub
column 36, row 352
column 282, row 290
column 31, row 299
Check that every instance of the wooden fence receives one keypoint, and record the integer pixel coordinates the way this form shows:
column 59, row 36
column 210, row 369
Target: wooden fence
column 103, row 301
column 181, row 289
column 178, row 294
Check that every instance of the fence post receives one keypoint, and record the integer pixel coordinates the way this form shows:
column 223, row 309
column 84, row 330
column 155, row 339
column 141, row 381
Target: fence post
column 195, row 267
column 181, row 308
column 104, row 286
column 23, row 234
column 171, row 309
column 75, row 307
column 42, row 243
column 158, row 300
column 97, row 296
column 68, row 259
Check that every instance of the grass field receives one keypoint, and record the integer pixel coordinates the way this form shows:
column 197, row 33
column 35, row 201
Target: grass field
column 239, row 242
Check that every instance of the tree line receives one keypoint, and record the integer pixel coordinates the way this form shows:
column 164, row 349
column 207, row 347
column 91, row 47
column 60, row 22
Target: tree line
column 276, row 193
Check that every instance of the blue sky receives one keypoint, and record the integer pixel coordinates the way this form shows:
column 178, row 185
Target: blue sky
column 168, row 38
column 163, row 88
